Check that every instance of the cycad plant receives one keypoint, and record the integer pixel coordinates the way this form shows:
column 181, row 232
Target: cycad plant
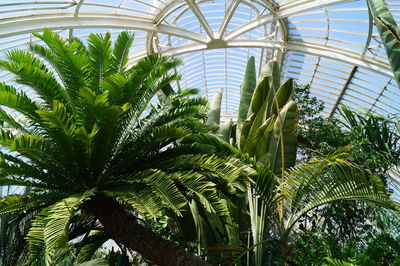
column 281, row 193
column 99, row 152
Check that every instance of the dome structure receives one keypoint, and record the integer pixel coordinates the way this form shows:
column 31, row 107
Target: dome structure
column 330, row 44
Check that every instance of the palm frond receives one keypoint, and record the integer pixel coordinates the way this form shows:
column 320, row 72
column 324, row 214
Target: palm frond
column 143, row 199
column 70, row 66
column 8, row 121
column 323, row 181
column 164, row 187
column 121, row 51
column 18, row 101
column 93, row 242
column 59, row 125
column 99, row 51
column 32, row 72
column 49, row 231
column 19, row 203
column 92, row 106
column 56, row 229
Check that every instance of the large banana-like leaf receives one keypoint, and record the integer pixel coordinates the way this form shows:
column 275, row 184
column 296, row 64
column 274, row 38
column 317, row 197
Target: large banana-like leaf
column 270, row 133
column 389, row 32
column 246, row 93
column 281, row 151
column 214, row 115
column 226, row 130
column 256, row 114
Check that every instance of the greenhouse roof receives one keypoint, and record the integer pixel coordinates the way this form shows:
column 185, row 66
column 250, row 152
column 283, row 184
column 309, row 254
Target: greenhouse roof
column 329, row 44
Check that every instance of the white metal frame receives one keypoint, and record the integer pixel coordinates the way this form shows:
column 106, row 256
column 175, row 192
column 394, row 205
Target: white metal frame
column 78, row 14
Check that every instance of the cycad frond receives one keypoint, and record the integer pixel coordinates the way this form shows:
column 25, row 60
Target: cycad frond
column 19, row 203
column 143, row 200
column 59, row 125
column 50, row 227
column 18, row 101
column 10, row 122
column 99, row 50
column 32, row 72
column 56, row 229
column 93, row 242
column 92, row 106
column 163, row 186
column 70, row 66
column 121, row 51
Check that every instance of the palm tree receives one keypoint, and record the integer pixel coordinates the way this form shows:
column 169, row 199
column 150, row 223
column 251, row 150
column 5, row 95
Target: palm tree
column 94, row 145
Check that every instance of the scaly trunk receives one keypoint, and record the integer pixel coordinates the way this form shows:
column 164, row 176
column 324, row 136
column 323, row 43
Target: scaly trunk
column 125, row 229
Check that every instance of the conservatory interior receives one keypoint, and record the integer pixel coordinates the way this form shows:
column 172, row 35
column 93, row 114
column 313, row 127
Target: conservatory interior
column 199, row 132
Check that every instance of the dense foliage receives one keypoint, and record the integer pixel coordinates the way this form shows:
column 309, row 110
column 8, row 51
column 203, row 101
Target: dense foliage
column 349, row 231
column 111, row 151
column 95, row 147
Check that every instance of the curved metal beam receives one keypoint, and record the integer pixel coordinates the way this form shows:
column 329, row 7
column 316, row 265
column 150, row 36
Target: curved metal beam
column 76, row 13
column 199, row 15
column 286, row 10
column 335, row 53
column 227, row 17
column 342, row 55
column 33, row 23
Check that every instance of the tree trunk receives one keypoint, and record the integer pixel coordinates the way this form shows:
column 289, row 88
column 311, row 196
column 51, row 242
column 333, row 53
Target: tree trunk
column 125, row 229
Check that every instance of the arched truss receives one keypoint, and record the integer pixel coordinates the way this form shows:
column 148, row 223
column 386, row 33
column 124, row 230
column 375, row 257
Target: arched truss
column 330, row 44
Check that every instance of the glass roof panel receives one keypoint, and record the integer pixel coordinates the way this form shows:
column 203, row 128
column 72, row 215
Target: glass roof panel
column 324, row 43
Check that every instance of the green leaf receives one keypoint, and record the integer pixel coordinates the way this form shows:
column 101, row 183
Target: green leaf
column 389, row 32
column 56, row 229
column 214, row 115
column 19, row 203
column 226, row 130
column 165, row 188
column 32, row 72
column 95, row 262
column 50, row 227
column 121, row 51
column 18, row 101
column 281, row 151
column 336, row 262
column 246, row 93
column 10, row 122
column 99, row 51
column 71, row 67
column 327, row 180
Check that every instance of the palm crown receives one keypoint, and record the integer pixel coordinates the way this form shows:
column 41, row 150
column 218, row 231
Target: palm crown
column 89, row 128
